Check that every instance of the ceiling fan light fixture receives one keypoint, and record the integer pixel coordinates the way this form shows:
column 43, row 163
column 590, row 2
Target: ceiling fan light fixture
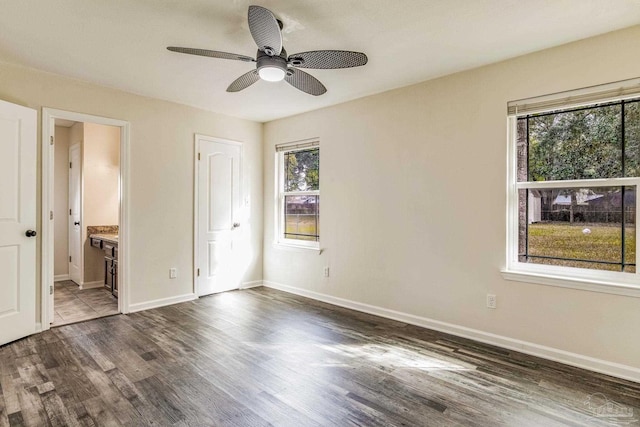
column 271, row 74
column 272, row 62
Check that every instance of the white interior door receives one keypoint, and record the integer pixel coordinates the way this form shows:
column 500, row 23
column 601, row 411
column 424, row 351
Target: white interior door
column 219, row 204
column 17, row 221
column 75, row 214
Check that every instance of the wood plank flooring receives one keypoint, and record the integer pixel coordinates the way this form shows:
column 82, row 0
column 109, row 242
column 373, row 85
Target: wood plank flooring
column 262, row 357
column 74, row 305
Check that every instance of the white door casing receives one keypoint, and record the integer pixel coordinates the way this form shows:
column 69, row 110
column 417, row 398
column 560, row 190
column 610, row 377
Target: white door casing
column 47, row 149
column 219, row 203
column 49, row 115
column 75, row 213
column 18, row 126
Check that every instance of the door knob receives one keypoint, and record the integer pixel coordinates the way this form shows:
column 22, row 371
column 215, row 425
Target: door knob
column 76, row 223
column 30, row 233
column 235, row 225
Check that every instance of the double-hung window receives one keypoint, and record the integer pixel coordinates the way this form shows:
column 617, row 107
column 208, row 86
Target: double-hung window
column 574, row 178
column 298, row 194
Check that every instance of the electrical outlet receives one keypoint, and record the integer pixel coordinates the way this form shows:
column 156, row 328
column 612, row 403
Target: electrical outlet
column 326, row 272
column 173, row 273
column 491, row 301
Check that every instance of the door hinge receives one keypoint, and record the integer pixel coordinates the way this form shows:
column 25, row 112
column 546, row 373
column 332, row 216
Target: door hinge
column 51, row 140
column 69, row 212
column 50, row 215
column 198, row 272
column 70, row 165
column 50, row 289
column 198, row 156
column 69, row 258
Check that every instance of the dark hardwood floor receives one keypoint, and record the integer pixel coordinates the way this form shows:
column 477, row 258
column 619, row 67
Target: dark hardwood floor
column 263, row 357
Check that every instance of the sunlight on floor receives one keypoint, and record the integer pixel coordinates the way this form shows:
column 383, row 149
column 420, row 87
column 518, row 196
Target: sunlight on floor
column 395, row 357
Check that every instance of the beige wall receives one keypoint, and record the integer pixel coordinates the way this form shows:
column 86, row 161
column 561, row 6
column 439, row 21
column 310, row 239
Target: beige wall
column 413, row 185
column 161, row 165
column 61, row 202
column 101, row 193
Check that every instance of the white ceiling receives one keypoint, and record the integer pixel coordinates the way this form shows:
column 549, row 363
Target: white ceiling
column 122, row 43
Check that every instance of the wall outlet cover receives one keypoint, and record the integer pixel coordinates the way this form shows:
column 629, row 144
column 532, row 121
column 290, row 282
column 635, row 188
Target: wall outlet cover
column 491, row 301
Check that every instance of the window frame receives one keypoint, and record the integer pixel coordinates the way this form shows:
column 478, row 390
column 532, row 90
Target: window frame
column 280, row 223
column 612, row 282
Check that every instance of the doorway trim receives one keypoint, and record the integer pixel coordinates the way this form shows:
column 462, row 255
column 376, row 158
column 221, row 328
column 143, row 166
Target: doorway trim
column 196, row 195
column 48, row 130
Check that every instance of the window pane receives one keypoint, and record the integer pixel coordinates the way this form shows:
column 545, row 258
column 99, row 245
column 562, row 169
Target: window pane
column 632, row 138
column 302, row 217
column 302, row 170
column 579, row 227
column 580, row 144
column 630, row 229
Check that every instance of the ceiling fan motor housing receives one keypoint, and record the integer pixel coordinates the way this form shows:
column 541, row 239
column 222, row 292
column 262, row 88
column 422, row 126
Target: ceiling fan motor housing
column 264, row 60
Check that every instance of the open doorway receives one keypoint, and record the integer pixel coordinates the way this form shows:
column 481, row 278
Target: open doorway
column 83, row 189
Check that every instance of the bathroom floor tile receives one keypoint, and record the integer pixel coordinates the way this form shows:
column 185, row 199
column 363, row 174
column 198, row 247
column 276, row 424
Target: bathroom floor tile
column 73, row 305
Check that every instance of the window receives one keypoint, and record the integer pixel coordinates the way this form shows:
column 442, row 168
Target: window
column 299, row 194
column 574, row 178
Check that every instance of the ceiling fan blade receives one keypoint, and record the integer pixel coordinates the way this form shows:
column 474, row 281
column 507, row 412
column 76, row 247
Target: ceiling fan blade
column 211, row 53
column 244, row 81
column 265, row 30
column 305, row 82
column 325, row 59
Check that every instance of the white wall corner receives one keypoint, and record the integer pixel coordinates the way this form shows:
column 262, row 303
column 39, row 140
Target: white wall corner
column 147, row 305
column 61, row 278
column 578, row 360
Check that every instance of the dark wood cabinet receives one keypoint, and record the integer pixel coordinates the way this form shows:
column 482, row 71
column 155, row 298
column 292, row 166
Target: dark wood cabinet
column 111, row 274
column 109, row 245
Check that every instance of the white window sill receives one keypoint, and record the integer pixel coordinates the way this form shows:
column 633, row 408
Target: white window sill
column 297, row 248
column 593, row 285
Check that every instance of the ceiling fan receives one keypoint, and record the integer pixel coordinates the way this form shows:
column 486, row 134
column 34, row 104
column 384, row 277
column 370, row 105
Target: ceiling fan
column 272, row 62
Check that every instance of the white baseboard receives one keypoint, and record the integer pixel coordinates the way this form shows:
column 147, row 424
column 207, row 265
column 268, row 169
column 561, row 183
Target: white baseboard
column 578, row 360
column 161, row 302
column 249, row 285
column 92, row 285
column 61, row 278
